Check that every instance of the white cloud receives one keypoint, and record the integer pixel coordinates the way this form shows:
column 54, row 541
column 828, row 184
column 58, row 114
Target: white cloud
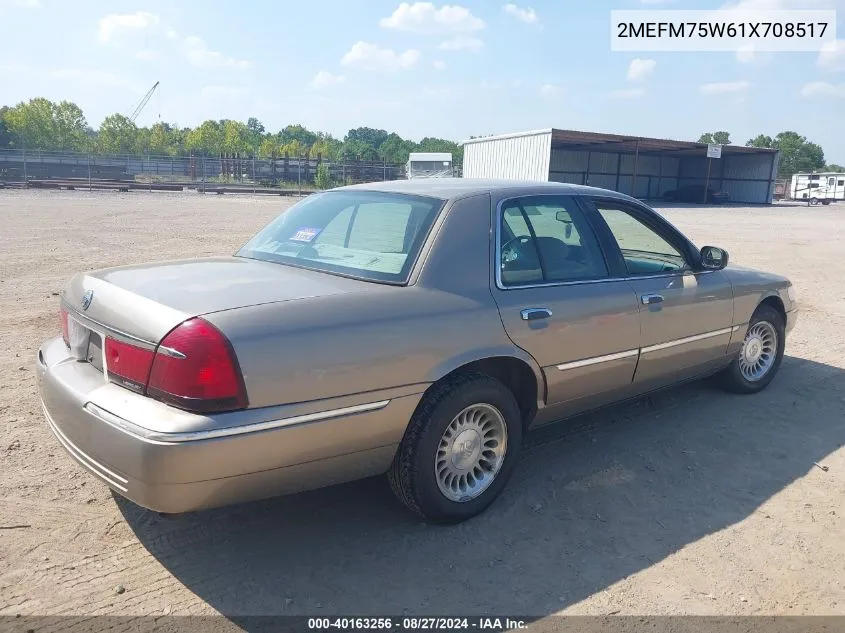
column 527, row 15
column 425, row 17
column 325, row 79
column 774, row 5
column 640, row 69
column 199, row 55
column 628, row 93
column 224, row 92
column 462, row 43
column 823, row 89
column 171, row 34
column 832, row 56
column 728, row 87
column 366, row 56
column 747, row 55
column 95, row 78
column 438, row 64
column 13, row 68
column 549, row 91
column 147, row 55
column 115, row 23
column 20, row 4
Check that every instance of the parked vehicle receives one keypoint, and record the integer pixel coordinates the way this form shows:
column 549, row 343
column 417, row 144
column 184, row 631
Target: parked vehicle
column 822, row 188
column 695, row 193
column 414, row 328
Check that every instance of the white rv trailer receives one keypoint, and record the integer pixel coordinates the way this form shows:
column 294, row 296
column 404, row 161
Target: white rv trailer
column 430, row 165
column 821, row 188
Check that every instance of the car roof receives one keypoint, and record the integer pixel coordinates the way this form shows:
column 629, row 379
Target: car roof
column 451, row 188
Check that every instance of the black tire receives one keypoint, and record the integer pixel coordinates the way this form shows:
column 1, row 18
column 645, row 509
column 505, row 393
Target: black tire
column 814, row 201
column 412, row 474
column 732, row 378
column 825, row 202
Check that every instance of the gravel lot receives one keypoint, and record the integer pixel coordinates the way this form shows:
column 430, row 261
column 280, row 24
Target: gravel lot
column 689, row 502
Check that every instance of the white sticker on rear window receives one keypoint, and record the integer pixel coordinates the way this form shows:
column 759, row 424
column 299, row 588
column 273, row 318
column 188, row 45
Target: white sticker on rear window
column 305, row 235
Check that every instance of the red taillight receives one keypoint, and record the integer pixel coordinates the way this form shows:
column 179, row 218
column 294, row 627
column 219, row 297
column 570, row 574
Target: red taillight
column 63, row 316
column 128, row 365
column 195, row 368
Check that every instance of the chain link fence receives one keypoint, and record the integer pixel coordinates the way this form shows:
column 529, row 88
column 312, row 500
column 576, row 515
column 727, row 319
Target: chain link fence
column 20, row 167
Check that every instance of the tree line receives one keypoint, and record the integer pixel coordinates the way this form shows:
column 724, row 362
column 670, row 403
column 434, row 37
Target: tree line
column 41, row 124
column 797, row 154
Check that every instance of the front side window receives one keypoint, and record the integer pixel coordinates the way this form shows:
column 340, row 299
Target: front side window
column 366, row 234
column 544, row 239
column 644, row 250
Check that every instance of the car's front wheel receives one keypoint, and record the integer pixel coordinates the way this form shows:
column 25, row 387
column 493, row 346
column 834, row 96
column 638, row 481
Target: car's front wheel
column 761, row 354
column 459, row 450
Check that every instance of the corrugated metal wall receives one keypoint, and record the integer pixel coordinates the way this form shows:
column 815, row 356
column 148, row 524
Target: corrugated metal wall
column 517, row 157
column 746, row 177
column 655, row 174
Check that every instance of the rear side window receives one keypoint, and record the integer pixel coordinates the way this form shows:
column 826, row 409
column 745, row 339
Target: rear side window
column 371, row 235
column 546, row 240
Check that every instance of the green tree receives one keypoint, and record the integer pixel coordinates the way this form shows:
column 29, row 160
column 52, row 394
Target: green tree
column 797, row 154
column 715, row 138
column 206, row 139
column 297, row 132
column 761, row 140
column 237, row 138
column 294, row 148
column 367, row 136
column 5, row 133
column 433, row 144
column 395, row 149
column 165, row 140
column 358, row 150
column 323, row 178
column 326, row 147
column 269, row 148
column 41, row 124
column 117, row 135
column 835, row 168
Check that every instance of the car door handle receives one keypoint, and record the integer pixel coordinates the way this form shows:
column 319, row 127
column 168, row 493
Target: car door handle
column 532, row 314
column 651, row 299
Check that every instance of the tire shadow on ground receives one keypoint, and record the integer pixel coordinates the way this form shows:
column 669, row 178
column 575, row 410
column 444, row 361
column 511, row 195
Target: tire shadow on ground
column 594, row 500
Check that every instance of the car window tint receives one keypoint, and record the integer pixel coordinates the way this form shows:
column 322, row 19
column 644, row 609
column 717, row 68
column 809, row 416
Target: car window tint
column 557, row 243
column 367, row 234
column 645, row 251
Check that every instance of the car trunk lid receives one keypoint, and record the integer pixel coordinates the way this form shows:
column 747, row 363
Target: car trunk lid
column 144, row 302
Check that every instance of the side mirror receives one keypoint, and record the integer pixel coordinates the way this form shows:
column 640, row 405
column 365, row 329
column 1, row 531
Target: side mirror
column 563, row 216
column 713, row 258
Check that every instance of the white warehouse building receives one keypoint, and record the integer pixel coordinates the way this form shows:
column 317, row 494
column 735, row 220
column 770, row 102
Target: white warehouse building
column 645, row 168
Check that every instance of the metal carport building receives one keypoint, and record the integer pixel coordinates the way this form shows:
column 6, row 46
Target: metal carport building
column 643, row 167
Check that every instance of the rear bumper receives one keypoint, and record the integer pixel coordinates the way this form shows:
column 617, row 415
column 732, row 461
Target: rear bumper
column 171, row 461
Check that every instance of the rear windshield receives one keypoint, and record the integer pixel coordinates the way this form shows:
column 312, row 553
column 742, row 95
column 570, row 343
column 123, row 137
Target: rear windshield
column 365, row 234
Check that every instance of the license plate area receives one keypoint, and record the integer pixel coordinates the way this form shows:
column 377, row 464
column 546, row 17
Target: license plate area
column 77, row 338
column 86, row 345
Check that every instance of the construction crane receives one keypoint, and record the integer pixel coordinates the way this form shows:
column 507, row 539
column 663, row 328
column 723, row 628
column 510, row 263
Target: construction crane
column 143, row 102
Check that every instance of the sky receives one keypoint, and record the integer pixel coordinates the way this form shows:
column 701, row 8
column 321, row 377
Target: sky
column 465, row 69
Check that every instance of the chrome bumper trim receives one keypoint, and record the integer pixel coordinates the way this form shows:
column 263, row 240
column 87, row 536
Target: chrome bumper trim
column 93, row 466
column 129, row 428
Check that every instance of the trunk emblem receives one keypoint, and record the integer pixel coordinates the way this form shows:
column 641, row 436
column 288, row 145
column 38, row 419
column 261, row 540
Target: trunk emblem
column 86, row 299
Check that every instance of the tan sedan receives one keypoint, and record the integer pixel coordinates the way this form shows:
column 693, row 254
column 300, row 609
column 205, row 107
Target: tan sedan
column 414, row 328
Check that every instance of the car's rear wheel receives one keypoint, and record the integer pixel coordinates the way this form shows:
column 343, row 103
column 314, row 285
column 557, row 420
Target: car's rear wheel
column 814, row 201
column 761, row 354
column 459, row 450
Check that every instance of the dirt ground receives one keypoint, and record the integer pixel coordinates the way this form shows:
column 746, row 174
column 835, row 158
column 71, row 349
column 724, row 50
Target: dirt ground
column 689, row 502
